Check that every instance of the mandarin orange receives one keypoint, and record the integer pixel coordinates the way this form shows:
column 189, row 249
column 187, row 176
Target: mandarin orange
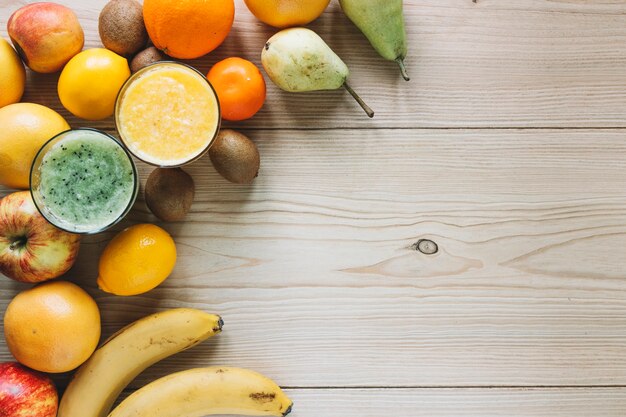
column 240, row 88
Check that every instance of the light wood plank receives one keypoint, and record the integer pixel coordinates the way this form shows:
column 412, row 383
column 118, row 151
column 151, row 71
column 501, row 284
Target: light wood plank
column 313, row 270
column 609, row 402
column 456, row 402
column 492, row 63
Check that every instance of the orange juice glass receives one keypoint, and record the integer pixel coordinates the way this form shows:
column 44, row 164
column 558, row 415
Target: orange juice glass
column 167, row 114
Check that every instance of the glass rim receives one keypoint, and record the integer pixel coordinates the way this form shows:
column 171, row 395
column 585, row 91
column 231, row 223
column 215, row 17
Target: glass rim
column 131, row 202
column 119, row 98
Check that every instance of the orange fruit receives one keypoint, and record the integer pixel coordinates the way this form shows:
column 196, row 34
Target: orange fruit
column 24, row 128
column 188, row 29
column 90, row 81
column 240, row 88
column 53, row 327
column 286, row 13
column 12, row 76
column 138, row 259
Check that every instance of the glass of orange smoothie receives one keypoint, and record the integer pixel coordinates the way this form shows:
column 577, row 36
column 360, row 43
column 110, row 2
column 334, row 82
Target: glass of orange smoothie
column 167, row 114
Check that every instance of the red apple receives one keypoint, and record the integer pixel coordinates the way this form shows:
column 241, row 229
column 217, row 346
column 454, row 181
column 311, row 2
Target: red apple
column 26, row 393
column 31, row 249
column 46, row 35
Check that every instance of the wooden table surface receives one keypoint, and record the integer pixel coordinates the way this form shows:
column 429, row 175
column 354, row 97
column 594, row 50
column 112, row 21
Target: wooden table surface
column 507, row 148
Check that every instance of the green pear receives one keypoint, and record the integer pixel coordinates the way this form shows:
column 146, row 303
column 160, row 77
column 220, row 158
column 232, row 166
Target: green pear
column 382, row 23
column 298, row 60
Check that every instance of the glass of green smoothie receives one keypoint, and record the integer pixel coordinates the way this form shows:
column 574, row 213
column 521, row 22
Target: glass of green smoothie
column 83, row 181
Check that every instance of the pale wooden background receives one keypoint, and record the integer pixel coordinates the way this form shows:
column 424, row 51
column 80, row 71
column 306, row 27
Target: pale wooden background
column 507, row 148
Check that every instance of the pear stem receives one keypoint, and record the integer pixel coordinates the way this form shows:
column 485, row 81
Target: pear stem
column 359, row 100
column 405, row 75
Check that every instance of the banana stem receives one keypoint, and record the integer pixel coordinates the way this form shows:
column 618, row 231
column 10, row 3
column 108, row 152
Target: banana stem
column 359, row 100
column 405, row 75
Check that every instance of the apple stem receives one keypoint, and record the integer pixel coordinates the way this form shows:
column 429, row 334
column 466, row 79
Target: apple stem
column 17, row 243
column 359, row 100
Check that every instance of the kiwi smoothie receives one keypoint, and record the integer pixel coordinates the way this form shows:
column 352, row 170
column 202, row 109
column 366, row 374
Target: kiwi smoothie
column 83, row 181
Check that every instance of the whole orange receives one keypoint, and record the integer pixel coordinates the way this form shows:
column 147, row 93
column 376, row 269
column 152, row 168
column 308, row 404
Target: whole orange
column 240, row 88
column 188, row 29
column 53, row 327
column 286, row 13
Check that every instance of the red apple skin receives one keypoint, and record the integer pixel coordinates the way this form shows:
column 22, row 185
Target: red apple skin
column 46, row 35
column 31, row 249
column 26, row 393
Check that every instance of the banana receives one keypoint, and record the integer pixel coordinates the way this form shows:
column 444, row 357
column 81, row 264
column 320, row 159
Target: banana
column 207, row 391
column 99, row 381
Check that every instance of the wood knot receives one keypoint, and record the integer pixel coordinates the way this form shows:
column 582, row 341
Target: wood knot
column 426, row 246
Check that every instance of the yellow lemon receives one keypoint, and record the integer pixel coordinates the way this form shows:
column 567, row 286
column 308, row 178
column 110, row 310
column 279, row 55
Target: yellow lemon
column 24, row 128
column 138, row 259
column 90, row 81
column 12, row 76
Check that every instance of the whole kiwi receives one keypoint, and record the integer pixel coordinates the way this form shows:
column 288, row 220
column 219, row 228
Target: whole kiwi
column 169, row 193
column 121, row 27
column 235, row 157
column 144, row 58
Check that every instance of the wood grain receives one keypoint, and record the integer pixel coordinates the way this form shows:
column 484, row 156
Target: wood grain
column 455, row 402
column 313, row 268
column 492, row 63
column 460, row 403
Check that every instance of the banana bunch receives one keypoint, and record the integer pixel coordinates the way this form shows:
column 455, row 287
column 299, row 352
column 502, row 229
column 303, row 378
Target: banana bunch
column 196, row 392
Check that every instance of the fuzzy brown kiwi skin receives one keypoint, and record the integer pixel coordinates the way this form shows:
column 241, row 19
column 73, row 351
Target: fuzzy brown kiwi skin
column 169, row 193
column 121, row 27
column 146, row 57
column 235, row 157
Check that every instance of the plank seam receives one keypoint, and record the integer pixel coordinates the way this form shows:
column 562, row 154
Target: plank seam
column 453, row 387
column 444, row 387
column 476, row 129
column 532, row 128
